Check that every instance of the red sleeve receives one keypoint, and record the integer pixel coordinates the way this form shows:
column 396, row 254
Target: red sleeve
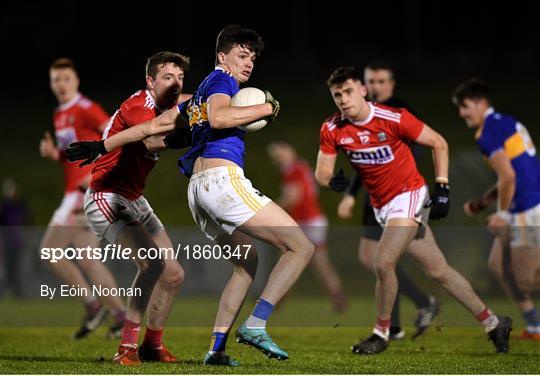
column 409, row 126
column 96, row 117
column 135, row 114
column 327, row 142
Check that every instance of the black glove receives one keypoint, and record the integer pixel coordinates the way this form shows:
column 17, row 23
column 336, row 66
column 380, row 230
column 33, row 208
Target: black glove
column 87, row 150
column 178, row 139
column 339, row 181
column 439, row 201
column 275, row 106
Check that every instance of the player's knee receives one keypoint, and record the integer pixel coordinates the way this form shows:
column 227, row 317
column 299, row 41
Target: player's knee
column 384, row 267
column 365, row 261
column 525, row 283
column 173, row 276
column 309, row 249
column 438, row 273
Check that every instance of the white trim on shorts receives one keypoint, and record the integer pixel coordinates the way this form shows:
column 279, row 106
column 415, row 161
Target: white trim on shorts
column 221, row 199
column 109, row 213
column 408, row 204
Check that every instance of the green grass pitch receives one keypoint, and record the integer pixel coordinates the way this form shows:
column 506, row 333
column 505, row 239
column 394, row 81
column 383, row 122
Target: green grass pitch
column 317, row 341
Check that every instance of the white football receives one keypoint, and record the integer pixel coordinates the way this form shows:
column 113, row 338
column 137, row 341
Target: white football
column 250, row 96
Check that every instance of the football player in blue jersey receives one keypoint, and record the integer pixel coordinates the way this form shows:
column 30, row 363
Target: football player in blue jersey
column 511, row 154
column 223, row 202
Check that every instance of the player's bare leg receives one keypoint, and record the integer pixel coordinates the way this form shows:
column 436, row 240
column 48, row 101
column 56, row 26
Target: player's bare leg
column 427, row 306
column 397, row 235
column 329, row 278
column 100, row 275
column 160, row 304
column 168, row 284
column 66, row 270
column 274, row 226
column 232, row 297
column 58, row 236
column 136, row 237
column 426, row 252
column 524, row 260
column 429, row 256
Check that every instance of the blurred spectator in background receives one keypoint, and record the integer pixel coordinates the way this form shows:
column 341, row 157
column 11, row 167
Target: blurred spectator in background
column 13, row 215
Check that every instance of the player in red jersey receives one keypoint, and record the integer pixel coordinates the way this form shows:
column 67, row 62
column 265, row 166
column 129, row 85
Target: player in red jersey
column 399, row 197
column 118, row 211
column 300, row 198
column 77, row 118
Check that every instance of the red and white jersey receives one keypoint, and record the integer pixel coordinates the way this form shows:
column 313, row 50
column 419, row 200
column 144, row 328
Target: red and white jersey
column 301, row 175
column 78, row 119
column 124, row 170
column 378, row 149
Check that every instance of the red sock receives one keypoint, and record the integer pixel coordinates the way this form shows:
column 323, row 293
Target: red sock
column 487, row 318
column 130, row 333
column 382, row 328
column 153, row 338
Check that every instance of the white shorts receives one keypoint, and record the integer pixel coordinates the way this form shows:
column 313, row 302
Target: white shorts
column 405, row 205
column 526, row 228
column 221, row 199
column 316, row 229
column 108, row 213
column 70, row 212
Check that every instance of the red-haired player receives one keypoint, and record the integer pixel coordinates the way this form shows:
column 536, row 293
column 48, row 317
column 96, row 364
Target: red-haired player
column 77, row 118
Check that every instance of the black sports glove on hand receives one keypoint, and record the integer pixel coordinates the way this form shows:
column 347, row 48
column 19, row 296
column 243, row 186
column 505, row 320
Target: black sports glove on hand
column 178, row 139
column 439, row 201
column 87, row 150
column 339, row 181
column 275, row 106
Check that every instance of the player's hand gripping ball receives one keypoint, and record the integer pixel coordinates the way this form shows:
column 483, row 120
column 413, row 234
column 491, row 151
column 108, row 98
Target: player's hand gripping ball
column 250, row 96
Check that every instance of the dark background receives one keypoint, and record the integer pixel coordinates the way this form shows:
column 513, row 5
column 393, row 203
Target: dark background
column 433, row 45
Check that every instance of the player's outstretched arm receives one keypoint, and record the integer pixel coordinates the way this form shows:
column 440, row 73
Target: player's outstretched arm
column 222, row 115
column 90, row 151
column 163, row 123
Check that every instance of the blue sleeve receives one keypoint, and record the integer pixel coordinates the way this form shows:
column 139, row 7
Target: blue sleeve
column 489, row 142
column 182, row 108
column 220, row 84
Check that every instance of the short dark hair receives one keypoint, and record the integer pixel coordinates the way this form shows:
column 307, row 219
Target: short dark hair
column 63, row 63
column 377, row 65
column 163, row 57
column 471, row 89
column 233, row 35
column 342, row 74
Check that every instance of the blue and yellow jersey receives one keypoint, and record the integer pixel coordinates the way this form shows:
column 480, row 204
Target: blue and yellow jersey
column 502, row 132
column 207, row 142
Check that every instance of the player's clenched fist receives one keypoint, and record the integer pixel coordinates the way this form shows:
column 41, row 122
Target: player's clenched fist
column 47, row 148
column 88, row 151
column 275, row 106
column 439, row 201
